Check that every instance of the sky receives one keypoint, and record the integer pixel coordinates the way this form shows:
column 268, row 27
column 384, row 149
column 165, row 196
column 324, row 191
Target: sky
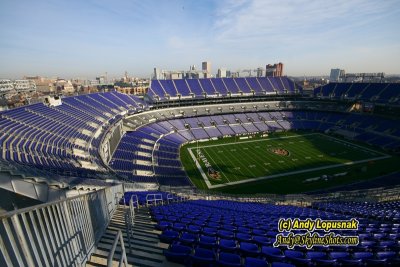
column 88, row 38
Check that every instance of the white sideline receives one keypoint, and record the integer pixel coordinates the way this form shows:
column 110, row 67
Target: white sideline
column 209, row 185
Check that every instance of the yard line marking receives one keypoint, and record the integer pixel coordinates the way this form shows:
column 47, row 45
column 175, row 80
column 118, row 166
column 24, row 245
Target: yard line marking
column 352, row 145
column 208, row 184
column 260, row 140
column 365, row 151
column 228, row 159
column 297, row 172
column 216, row 165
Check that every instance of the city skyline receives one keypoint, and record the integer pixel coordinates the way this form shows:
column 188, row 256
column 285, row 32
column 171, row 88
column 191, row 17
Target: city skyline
column 90, row 38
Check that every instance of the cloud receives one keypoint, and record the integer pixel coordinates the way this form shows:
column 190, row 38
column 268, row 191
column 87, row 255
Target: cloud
column 176, row 34
column 288, row 20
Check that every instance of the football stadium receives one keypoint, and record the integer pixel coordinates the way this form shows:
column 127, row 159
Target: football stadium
column 246, row 171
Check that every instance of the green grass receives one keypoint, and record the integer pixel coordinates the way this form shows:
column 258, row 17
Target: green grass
column 249, row 166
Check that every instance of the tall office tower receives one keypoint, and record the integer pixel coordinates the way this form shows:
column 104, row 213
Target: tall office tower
column 336, row 75
column 157, row 75
column 221, row 73
column 206, row 68
column 274, row 70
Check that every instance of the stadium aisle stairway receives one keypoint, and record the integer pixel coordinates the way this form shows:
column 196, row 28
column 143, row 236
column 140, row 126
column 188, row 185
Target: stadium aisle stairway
column 146, row 249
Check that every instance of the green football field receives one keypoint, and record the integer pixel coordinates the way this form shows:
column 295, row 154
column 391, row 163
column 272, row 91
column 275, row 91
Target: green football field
column 294, row 162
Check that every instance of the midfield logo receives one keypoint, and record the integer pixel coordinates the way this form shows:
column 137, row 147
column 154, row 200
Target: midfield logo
column 280, row 151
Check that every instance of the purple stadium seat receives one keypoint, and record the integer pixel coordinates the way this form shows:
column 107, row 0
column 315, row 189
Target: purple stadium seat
column 227, row 245
column 249, row 249
column 177, row 253
column 229, row 260
column 255, row 262
column 202, row 257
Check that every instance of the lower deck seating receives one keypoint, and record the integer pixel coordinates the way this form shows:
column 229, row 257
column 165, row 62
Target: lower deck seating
column 155, row 149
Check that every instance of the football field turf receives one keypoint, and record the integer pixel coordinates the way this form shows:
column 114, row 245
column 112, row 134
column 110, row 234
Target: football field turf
column 235, row 161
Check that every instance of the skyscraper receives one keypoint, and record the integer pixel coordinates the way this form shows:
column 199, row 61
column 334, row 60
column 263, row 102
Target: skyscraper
column 274, row 70
column 336, row 75
column 206, row 68
column 221, row 73
column 157, row 75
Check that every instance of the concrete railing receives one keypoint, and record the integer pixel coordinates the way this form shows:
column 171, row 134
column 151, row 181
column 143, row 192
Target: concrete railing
column 61, row 233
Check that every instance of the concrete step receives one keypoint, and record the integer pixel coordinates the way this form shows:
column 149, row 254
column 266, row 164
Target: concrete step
column 135, row 261
column 97, row 260
column 145, row 240
column 140, row 246
column 138, row 218
column 122, row 227
column 92, row 264
column 141, row 224
column 136, row 234
column 145, row 248
column 140, row 263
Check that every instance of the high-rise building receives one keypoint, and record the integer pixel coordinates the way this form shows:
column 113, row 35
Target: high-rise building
column 221, row 73
column 336, row 75
column 206, row 68
column 157, row 75
column 275, row 70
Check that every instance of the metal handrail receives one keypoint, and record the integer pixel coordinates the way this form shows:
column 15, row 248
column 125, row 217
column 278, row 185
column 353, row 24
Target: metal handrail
column 123, row 258
column 132, row 211
column 154, row 198
column 130, row 219
column 59, row 233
